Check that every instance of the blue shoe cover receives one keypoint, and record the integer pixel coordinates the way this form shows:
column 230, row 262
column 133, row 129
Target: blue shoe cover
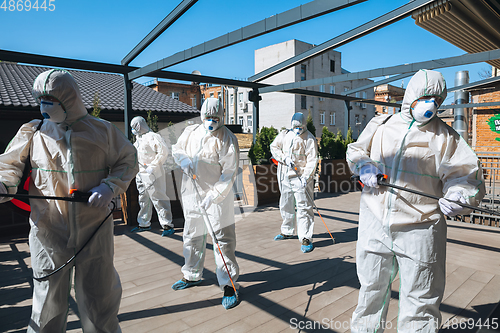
column 167, row 232
column 307, row 248
column 229, row 302
column 281, row 237
column 139, row 229
column 183, row 284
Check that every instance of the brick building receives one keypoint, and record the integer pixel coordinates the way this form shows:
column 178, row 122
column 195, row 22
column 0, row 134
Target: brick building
column 186, row 93
column 388, row 93
column 485, row 121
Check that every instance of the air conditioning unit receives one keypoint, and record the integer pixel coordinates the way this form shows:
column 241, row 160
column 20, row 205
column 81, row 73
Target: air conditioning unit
column 243, row 105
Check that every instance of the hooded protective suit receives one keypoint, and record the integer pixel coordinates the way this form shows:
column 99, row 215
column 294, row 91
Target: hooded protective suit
column 152, row 151
column 403, row 231
column 79, row 153
column 302, row 150
column 213, row 157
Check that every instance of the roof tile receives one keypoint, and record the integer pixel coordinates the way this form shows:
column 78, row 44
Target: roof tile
column 16, row 82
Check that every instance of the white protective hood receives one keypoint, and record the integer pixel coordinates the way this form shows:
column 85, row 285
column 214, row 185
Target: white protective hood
column 60, row 84
column 140, row 125
column 423, row 83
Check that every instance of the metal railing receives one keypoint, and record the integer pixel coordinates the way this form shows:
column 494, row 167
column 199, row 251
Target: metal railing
column 490, row 162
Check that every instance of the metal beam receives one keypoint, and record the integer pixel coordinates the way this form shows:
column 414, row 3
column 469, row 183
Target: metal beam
column 279, row 21
column 158, row 30
column 205, row 79
column 470, row 105
column 341, row 97
column 378, row 83
column 345, row 38
column 42, row 60
column 407, row 68
column 473, row 84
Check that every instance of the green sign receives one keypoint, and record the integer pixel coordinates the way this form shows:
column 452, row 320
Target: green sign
column 494, row 123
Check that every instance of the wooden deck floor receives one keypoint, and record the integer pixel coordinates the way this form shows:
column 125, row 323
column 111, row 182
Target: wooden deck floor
column 280, row 286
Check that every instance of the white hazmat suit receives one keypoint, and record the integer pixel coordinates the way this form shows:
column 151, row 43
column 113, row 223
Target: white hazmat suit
column 152, row 151
column 296, row 147
column 211, row 152
column 402, row 231
column 82, row 152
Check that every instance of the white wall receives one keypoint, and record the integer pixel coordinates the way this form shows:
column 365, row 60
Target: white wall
column 277, row 109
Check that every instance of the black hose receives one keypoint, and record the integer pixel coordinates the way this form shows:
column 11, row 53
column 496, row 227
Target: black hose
column 45, row 277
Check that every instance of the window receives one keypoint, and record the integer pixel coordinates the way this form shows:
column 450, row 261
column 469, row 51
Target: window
column 249, row 121
column 211, row 95
column 240, row 97
column 332, row 66
column 357, row 96
column 202, row 99
column 232, row 120
column 356, row 120
column 303, row 102
column 302, row 72
column 322, row 117
column 175, row 95
column 193, row 101
column 322, row 89
column 363, row 105
column 332, row 118
column 240, row 120
column 346, row 88
column 332, row 89
column 231, row 98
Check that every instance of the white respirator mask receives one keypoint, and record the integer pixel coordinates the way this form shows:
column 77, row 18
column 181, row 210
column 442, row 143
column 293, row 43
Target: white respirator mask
column 211, row 124
column 424, row 110
column 298, row 130
column 52, row 111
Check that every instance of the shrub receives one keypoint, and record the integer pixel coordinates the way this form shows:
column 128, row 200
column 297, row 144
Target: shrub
column 260, row 151
column 333, row 146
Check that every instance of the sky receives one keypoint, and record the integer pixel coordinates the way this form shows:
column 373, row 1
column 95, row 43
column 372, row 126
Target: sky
column 106, row 31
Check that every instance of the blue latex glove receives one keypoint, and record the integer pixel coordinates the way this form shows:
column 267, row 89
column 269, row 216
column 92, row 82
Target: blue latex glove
column 101, row 196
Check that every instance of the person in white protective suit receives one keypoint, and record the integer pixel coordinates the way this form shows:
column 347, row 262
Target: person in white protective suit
column 403, row 231
column 152, row 151
column 71, row 150
column 209, row 151
column 296, row 150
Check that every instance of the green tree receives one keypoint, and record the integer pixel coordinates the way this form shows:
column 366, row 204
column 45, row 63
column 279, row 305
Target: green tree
column 333, row 146
column 260, row 151
column 310, row 125
column 152, row 121
column 96, row 106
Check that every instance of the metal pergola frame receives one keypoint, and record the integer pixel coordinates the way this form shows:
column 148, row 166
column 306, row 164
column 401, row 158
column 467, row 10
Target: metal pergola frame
column 293, row 16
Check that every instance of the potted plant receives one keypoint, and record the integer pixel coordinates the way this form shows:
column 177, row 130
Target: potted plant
column 335, row 175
